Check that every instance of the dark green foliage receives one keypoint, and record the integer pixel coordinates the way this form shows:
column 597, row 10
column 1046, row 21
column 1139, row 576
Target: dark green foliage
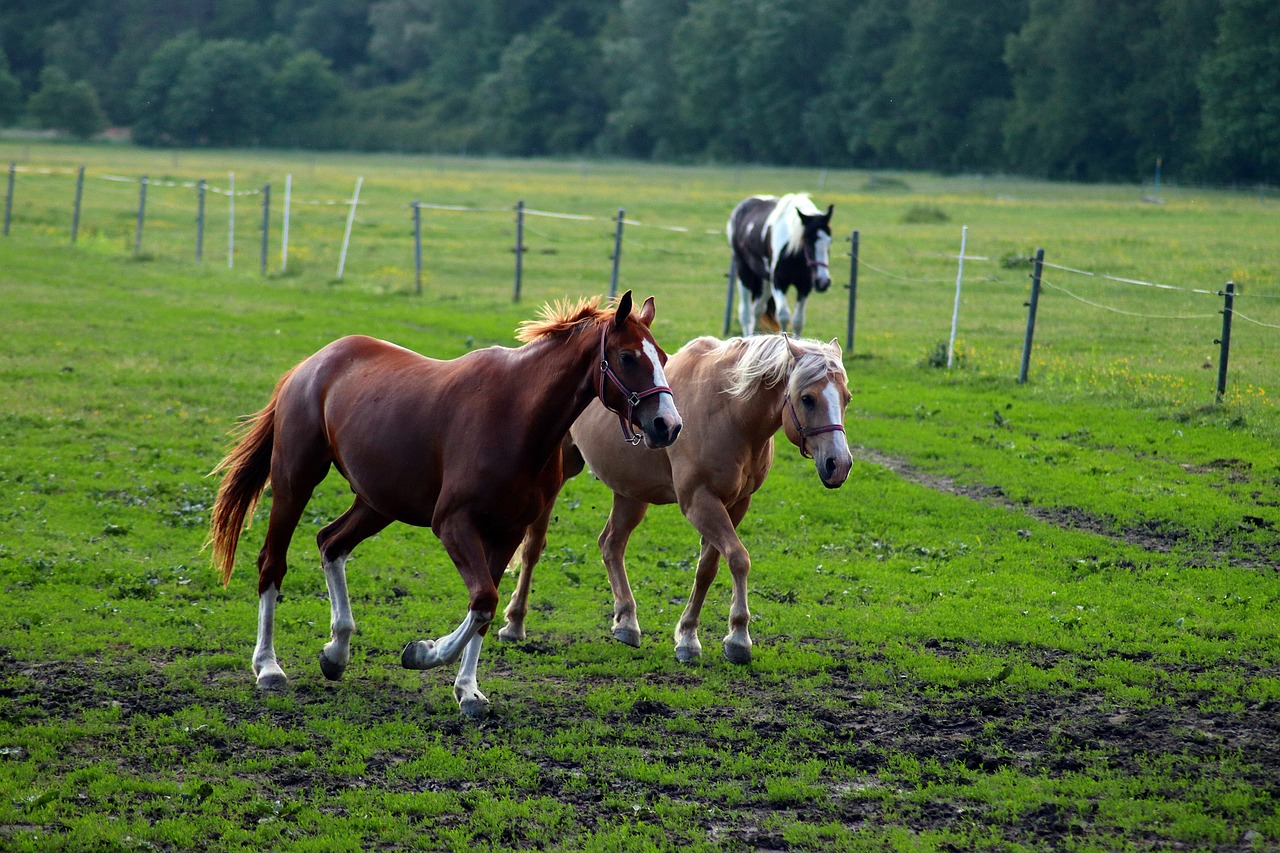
column 1076, row 89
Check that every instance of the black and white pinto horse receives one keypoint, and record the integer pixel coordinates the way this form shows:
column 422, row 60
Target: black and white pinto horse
column 784, row 242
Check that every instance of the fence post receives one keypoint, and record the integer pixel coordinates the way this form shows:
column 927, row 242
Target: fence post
column 519, row 249
column 617, row 254
column 231, row 222
column 351, row 218
column 1228, row 299
column 142, row 212
column 955, row 312
column 728, row 297
column 75, row 214
column 8, row 199
column 1031, row 316
column 201, row 186
column 417, row 248
column 266, row 225
column 284, row 237
column 853, row 291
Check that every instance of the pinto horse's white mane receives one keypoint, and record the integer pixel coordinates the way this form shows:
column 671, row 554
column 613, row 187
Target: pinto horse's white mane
column 766, row 360
column 784, row 223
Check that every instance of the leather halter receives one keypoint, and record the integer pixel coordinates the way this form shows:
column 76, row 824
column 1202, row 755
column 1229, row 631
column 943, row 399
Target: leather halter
column 629, row 435
column 804, row 432
column 815, row 264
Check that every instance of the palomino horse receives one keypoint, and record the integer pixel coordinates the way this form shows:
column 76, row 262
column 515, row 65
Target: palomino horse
column 469, row 448
column 779, row 242
column 734, row 395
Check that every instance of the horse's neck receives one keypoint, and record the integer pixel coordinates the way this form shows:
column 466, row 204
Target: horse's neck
column 553, row 382
column 760, row 412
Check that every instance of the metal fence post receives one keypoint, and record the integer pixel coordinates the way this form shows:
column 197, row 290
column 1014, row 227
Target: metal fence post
column 728, row 297
column 1228, row 299
column 617, row 254
column 1031, row 316
column 266, row 225
column 417, row 247
column 201, row 186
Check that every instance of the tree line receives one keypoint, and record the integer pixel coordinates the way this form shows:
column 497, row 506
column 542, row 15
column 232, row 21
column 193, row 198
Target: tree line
column 1070, row 89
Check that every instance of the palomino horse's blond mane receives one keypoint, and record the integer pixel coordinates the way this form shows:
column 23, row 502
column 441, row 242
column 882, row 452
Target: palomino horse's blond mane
column 766, row 360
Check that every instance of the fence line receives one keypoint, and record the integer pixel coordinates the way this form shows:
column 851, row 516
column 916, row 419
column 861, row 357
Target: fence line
column 1078, row 298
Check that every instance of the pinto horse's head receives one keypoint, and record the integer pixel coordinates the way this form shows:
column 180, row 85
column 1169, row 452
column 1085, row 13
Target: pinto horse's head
column 813, row 414
column 817, row 246
column 631, row 382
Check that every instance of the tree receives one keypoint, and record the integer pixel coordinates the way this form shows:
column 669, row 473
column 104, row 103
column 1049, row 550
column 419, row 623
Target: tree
column 708, row 94
column 222, row 95
column 403, row 33
column 152, row 93
column 10, row 93
column 641, row 86
column 1241, row 90
column 61, row 104
column 305, row 87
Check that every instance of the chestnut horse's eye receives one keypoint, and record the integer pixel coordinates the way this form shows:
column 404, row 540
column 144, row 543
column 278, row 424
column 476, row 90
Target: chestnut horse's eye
column 627, row 359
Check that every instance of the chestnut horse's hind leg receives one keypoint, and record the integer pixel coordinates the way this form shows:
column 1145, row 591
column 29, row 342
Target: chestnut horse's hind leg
column 336, row 541
column 624, row 518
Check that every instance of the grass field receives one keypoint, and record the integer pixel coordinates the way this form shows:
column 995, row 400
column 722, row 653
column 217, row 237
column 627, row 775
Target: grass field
column 1037, row 615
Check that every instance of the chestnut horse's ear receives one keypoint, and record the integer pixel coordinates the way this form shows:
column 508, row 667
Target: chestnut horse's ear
column 623, row 310
column 795, row 351
column 646, row 312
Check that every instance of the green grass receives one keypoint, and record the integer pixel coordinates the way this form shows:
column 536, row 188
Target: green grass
column 1049, row 621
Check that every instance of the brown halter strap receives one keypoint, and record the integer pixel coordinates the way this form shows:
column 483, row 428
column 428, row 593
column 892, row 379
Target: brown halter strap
column 804, row 432
column 629, row 435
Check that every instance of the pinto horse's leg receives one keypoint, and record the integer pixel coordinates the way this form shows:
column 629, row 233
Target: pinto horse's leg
column 784, row 310
column 719, row 537
column 797, row 321
column 747, row 311
column 624, row 518
column 336, row 542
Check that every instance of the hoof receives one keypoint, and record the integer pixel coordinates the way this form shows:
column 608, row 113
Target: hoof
column 508, row 634
column 628, row 636
column 474, row 709
column 272, row 680
column 332, row 671
column 686, row 654
column 419, row 655
column 736, row 653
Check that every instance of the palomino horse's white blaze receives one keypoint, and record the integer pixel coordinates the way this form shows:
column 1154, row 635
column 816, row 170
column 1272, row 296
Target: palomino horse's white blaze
column 265, row 666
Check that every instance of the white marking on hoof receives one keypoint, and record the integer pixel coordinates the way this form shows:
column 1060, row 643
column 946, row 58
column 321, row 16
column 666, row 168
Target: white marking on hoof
column 420, row 655
column 511, row 633
column 272, row 677
column 628, row 636
column 474, row 708
column 332, row 670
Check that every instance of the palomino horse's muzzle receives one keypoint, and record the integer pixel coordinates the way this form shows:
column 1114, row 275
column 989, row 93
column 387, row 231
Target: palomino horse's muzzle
column 834, row 465
column 661, row 432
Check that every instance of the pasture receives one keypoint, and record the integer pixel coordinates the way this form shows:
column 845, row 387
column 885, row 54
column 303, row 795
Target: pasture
column 1035, row 615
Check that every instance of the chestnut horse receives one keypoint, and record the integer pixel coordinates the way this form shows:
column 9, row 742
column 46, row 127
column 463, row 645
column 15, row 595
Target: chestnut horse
column 735, row 395
column 468, row 447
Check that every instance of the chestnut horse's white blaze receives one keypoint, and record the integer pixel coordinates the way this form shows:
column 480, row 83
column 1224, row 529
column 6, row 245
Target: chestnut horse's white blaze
column 414, row 438
column 734, row 396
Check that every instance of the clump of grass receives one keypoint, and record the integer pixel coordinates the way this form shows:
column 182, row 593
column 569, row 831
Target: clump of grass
column 937, row 356
column 884, row 183
column 925, row 214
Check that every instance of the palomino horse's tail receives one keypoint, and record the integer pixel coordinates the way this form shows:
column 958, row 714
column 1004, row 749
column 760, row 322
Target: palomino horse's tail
column 245, row 469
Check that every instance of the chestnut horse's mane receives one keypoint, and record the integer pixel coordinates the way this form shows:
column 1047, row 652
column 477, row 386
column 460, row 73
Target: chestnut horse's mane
column 561, row 317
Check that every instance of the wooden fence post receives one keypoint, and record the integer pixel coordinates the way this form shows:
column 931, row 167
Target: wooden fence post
column 417, row 247
column 728, row 297
column 142, row 212
column 75, row 213
column 1228, row 299
column 8, row 199
column 617, row 254
column 519, row 248
column 1031, row 316
column 201, row 186
column 853, row 292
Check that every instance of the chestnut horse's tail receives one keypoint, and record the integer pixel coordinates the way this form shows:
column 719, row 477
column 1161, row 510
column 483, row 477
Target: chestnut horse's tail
column 246, row 470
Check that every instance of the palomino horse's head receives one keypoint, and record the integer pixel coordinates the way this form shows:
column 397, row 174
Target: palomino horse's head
column 817, row 395
column 630, row 382
column 817, row 246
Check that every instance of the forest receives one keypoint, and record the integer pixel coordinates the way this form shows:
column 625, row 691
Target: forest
column 1083, row 90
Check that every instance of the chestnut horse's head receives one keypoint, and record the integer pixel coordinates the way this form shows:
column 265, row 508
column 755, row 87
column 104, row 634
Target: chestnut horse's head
column 817, row 395
column 631, row 382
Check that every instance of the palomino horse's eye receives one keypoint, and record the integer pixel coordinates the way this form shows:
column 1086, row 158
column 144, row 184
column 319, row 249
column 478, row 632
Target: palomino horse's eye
column 807, row 400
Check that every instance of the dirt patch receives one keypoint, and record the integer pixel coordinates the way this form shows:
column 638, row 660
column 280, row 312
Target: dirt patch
column 850, row 724
column 1152, row 535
